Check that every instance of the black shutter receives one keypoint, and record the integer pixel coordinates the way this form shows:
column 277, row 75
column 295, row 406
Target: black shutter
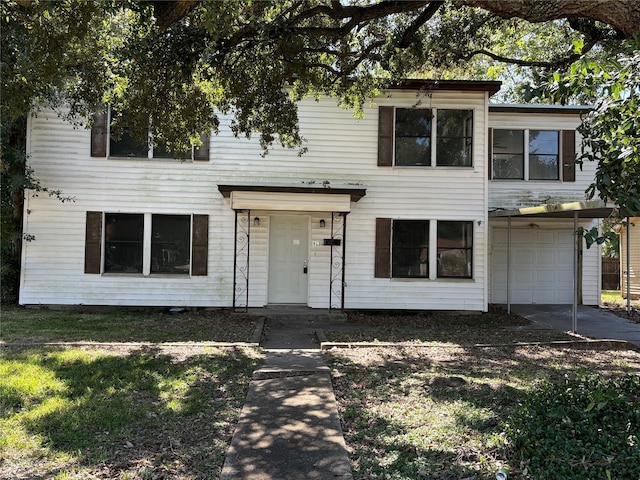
column 383, row 248
column 569, row 155
column 93, row 243
column 99, row 135
column 201, row 153
column 385, row 136
column 200, row 245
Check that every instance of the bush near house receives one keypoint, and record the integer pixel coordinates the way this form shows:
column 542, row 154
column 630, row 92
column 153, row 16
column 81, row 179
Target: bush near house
column 581, row 428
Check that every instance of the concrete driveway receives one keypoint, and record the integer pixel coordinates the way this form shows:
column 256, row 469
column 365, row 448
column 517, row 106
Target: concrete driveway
column 593, row 322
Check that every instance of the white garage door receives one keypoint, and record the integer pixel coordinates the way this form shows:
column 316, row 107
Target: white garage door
column 541, row 266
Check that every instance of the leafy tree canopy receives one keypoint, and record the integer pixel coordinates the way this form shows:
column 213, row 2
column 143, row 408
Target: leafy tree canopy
column 181, row 63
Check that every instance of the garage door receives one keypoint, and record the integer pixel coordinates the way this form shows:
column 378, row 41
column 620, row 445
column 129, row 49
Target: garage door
column 541, row 266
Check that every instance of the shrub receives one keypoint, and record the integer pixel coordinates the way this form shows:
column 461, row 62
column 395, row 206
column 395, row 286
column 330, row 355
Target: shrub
column 581, row 428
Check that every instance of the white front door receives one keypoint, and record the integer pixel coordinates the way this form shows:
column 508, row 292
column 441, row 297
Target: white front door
column 288, row 257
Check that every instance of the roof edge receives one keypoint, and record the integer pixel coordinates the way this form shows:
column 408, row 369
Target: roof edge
column 491, row 86
column 540, row 108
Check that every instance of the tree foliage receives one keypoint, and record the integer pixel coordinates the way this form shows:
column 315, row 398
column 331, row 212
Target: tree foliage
column 182, row 63
column 175, row 67
column 611, row 131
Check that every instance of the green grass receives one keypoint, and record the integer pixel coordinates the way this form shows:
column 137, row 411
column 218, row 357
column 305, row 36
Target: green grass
column 89, row 413
column 43, row 325
column 615, row 297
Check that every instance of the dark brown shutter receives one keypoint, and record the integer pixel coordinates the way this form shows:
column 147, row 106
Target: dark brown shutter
column 201, row 153
column 490, row 152
column 569, row 155
column 200, row 245
column 383, row 248
column 385, row 136
column 93, row 243
column 99, row 135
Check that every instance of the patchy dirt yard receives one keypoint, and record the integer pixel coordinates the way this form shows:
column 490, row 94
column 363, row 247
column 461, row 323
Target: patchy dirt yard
column 438, row 409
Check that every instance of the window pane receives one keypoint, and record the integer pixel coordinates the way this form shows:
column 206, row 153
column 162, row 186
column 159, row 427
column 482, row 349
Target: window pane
column 122, row 144
column 160, row 151
column 543, row 155
column 170, row 244
column 123, row 242
column 455, row 249
column 413, row 137
column 410, row 248
column 508, row 166
column 455, row 135
column 127, row 146
column 508, row 154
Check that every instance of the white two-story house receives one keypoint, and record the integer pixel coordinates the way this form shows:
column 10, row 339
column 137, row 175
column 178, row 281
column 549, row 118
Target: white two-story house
column 418, row 205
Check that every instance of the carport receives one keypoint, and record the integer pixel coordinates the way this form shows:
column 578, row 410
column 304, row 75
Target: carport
column 589, row 209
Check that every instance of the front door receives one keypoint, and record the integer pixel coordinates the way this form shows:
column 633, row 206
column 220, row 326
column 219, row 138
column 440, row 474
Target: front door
column 288, row 256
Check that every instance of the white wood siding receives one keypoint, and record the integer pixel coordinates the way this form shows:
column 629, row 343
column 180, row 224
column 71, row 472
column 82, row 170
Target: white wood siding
column 510, row 194
column 341, row 150
column 634, row 259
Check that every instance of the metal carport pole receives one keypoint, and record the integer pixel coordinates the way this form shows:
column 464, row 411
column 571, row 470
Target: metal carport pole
column 509, row 265
column 578, row 238
column 627, row 273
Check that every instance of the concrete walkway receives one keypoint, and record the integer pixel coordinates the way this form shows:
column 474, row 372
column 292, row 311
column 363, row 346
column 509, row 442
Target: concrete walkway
column 592, row 322
column 289, row 427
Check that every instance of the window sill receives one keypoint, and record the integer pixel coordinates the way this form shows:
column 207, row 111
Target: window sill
column 427, row 279
column 435, row 167
column 151, row 275
column 516, row 180
column 154, row 159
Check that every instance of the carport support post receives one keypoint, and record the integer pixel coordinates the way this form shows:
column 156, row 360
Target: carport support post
column 509, row 265
column 578, row 238
column 628, row 270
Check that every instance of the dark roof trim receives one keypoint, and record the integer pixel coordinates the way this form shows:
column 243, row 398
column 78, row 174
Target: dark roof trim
column 466, row 85
column 355, row 193
column 530, row 108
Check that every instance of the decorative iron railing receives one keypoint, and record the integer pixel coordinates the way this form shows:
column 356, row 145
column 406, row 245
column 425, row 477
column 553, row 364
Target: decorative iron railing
column 241, row 252
column 337, row 282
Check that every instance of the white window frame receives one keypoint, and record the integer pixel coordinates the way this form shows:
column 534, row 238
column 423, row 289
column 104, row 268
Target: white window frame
column 525, row 160
column 434, row 139
column 146, row 246
column 149, row 151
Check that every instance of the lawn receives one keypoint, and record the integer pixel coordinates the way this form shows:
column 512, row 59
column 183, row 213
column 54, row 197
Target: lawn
column 439, row 407
column 612, row 300
column 445, row 409
column 125, row 325
column 120, row 411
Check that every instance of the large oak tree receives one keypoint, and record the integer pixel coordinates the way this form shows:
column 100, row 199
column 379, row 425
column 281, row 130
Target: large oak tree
column 183, row 63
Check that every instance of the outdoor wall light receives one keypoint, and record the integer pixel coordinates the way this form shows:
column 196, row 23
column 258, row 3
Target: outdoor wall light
column 322, row 223
column 256, row 222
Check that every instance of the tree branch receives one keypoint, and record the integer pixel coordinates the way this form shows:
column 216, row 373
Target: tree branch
column 420, row 20
column 623, row 16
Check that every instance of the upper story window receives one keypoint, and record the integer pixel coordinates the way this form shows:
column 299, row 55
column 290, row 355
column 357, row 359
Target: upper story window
column 124, row 145
column 105, row 142
column 533, row 154
column 425, row 137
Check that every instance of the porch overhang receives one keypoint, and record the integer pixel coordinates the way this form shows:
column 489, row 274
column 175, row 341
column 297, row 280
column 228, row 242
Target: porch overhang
column 583, row 209
column 301, row 198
